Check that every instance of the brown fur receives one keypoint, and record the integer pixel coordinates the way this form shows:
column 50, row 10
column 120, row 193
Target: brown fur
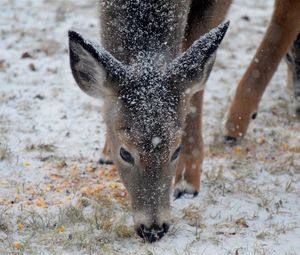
column 282, row 31
column 204, row 15
column 147, row 74
column 126, row 72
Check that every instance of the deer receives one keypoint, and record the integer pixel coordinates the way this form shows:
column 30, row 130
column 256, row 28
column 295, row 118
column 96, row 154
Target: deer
column 281, row 39
column 150, row 71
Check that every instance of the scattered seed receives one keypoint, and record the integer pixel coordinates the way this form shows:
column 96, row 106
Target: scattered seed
column 26, row 55
column 32, row 67
column 61, row 229
column 20, row 226
column 241, row 222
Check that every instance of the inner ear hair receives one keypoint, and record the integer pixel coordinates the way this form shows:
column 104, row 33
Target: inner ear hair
column 199, row 84
column 95, row 70
column 195, row 63
column 88, row 74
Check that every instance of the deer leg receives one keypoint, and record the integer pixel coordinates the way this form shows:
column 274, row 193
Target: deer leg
column 293, row 61
column 105, row 157
column 289, row 80
column 281, row 33
column 203, row 16
column 190, row 163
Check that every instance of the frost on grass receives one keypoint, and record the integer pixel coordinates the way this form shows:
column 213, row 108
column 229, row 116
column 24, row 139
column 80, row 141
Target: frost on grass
column 5, row 152
column 257, row 181
column 64, row 229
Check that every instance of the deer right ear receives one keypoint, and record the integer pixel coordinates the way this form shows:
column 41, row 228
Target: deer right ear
column 95, row 70
column 191, row 69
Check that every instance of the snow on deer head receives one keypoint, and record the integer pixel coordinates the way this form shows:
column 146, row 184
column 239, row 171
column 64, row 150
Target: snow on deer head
column 145, row 109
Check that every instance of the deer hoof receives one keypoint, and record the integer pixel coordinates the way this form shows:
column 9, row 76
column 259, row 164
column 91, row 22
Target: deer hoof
column 181, row 193
column 184, row 188
column 230, row 140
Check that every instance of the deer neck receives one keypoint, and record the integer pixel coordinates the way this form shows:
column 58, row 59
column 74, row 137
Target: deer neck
column 132, row 29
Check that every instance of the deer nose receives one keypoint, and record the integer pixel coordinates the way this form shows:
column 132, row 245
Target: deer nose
column 154, row 233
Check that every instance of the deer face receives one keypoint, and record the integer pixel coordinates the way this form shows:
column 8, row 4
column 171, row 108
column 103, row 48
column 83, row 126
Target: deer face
column 146, row 106
column 146, row 143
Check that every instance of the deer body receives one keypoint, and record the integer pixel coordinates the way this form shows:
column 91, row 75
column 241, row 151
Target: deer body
column 131, row 29
column 147, row 85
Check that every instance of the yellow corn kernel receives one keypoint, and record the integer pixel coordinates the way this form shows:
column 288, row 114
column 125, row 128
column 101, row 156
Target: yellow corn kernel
column 285, row 146
column 39, row 203
column 20, row 226
column 26, row 163
column 90, row 170
column 18, row 245
column 114, row 185
column 260, row 140
column 61, row 229
column 238, row 150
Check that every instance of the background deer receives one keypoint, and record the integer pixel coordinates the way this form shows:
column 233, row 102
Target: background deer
column 148, row 86
column 281, row 37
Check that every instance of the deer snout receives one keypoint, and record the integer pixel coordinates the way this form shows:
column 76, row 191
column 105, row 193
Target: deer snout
column 151, row 227
column 154, row 233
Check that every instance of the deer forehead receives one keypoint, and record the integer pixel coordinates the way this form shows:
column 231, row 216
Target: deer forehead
column 148, row 101
column 150, row 129
column 150, row 133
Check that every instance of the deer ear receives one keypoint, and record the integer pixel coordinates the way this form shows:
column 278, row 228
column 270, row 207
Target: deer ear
column 192, row 68
column 95, row 70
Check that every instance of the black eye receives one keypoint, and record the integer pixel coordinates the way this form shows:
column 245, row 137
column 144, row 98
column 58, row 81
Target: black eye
column 126, row 156
column 176, row 153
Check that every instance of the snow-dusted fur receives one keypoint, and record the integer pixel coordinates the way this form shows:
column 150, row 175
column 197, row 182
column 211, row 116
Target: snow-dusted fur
column 50, row 132
column 293, row 60
column 146, row 82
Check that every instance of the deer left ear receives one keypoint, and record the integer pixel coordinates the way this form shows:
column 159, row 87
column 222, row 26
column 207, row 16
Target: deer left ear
column 95, row 70
column 192, row 68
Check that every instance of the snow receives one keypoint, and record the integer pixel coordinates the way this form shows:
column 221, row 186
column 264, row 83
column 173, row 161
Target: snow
column 47, row 122
column 156, row 141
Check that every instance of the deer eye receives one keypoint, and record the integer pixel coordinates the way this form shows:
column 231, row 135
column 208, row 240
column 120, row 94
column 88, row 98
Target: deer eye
column 126, row 156
column 176, row 153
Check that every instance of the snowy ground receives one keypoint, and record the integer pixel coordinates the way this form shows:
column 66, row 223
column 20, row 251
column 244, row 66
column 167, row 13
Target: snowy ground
column 54, row 199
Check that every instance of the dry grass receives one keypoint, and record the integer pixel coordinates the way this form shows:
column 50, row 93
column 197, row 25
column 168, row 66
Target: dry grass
column 89, row 229
column 41, row 147
column 253, row 184
column 193, row 215
column 5, row 152
column 3, row 221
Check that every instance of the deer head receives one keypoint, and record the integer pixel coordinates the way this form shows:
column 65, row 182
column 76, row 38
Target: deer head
column 146, row 104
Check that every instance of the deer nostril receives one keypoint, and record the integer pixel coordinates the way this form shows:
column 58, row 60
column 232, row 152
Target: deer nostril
column 140, row 230
column 166, row 227
column 152, row 234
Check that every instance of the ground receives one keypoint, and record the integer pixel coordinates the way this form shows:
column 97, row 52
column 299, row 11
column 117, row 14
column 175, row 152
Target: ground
column 55, row 199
